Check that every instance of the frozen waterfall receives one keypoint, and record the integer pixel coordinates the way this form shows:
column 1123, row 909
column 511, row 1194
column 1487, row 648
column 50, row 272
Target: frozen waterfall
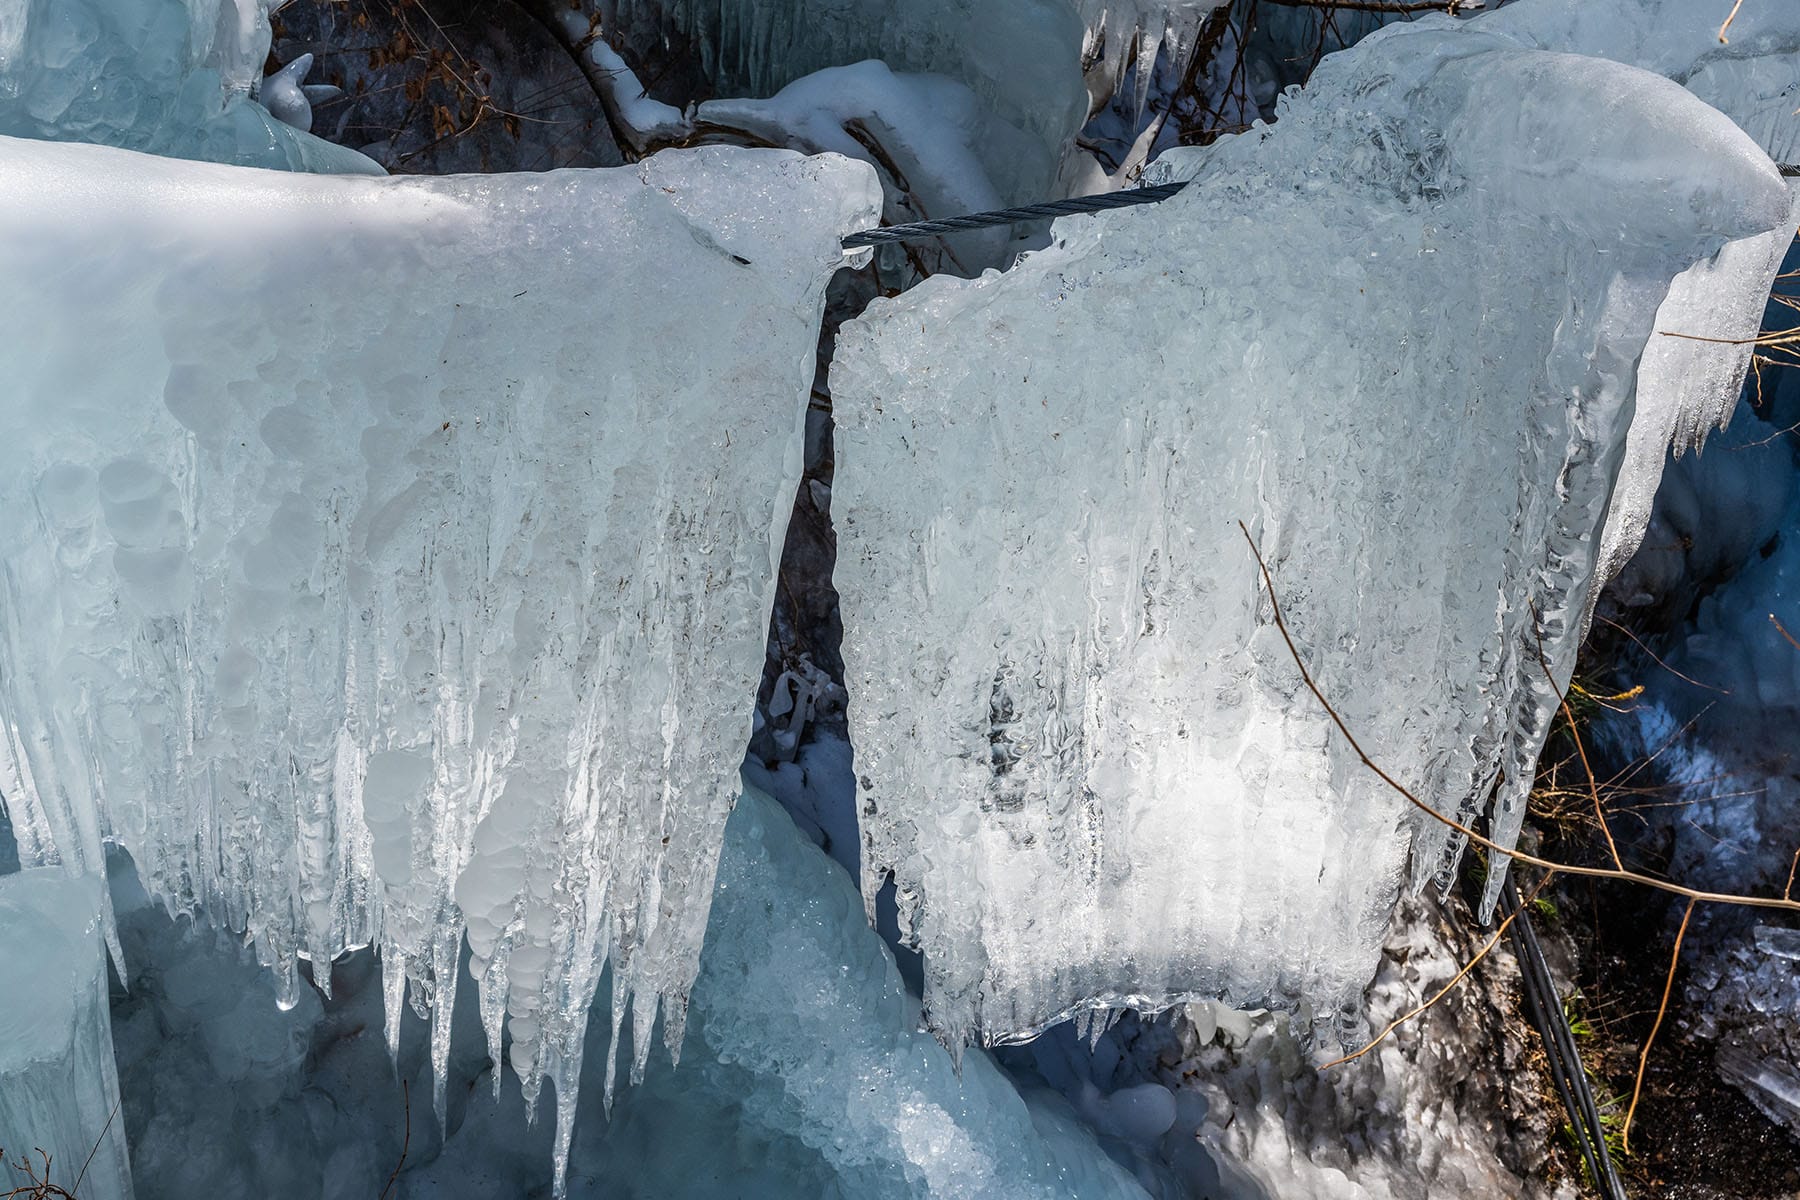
column 388, row 560
column 1396, row 334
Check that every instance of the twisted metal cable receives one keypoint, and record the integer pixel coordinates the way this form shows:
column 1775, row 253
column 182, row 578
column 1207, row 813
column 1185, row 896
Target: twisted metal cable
column 1012, row 216
column 1545, row 1010
column 1104, row 202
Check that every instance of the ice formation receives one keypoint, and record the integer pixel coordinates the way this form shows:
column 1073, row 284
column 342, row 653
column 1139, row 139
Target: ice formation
column 1749, row 75
column 378, row 552
column 804, row 1074
column 1023, row 59
column 1396, row 335
column 59, row 1088
column 167, row 76
column 1685, row 385
column 813, row 1048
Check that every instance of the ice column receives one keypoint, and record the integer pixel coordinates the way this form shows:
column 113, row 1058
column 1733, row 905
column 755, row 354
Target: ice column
column 1396, row 336
column 59, row 1088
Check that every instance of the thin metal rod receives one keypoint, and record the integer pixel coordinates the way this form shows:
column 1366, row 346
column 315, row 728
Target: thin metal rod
column 1012, row 216
column 1104, row 202
column 1566, row 1071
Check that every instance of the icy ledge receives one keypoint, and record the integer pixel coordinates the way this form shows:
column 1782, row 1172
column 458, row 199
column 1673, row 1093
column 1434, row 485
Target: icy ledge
column 1396, row 334
column 384, row 559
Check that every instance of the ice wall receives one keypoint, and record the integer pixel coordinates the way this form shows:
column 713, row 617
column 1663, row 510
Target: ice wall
column 59, row 1089
column 387, row 558
column 1687, row 386
column 1396, row 335
column 165, row 76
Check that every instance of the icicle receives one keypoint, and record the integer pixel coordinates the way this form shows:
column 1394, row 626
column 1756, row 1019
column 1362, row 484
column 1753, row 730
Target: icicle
column 492, row 991
column 445, row 957
column 393, row 999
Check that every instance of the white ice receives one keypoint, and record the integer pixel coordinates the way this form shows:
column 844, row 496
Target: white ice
column 172, row 77
column 385, row 558
column 59, row 1088
column 1396, row 334
column 1031, row 63
column 804, row 1074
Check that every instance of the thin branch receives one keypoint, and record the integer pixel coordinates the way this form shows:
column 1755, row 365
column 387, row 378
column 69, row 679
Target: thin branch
column 1661, row 1010
column 1587, row 768
column 405, row 1142
column 1723, row 40
column 1658, row 661
column 82, row 1174
column 1624, row 876
column 1455, row 979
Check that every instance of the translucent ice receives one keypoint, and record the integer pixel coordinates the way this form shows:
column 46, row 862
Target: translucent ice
column 805, row 1045
column 167, row 76
column 1024, row 58
column 804, row 1074
column 384, row 558
column 1396, row 334
column 1750, row 75
column 1687, row 385
column 59, row 1089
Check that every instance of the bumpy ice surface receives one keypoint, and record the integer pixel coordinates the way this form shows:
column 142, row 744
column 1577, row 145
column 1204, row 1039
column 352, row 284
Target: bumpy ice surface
column 386, row 559
column 59, row 1088
column 805, row 1046
column 1086, row 755
column 167, row 76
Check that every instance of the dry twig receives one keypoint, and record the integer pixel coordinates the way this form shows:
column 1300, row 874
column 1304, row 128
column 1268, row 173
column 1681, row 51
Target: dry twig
column 1623, row 875
column 1661, row 1009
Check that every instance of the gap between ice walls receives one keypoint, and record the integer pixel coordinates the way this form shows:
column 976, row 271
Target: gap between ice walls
column 384, row 581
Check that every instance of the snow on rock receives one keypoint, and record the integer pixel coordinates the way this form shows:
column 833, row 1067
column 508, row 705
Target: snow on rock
column 59, row 1088
column 1449, row 1105
column 382, row 557
column 924, row 135
column 166, row 76
column 1022, row 58
column 1396, row 335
